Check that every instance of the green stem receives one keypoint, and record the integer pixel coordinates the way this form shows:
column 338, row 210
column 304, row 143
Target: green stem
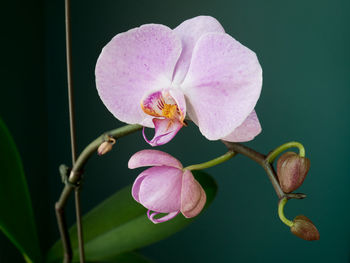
column 272, row 155
column 92, row 148
column 223, row 158
column 281, row 205
column 75, row 176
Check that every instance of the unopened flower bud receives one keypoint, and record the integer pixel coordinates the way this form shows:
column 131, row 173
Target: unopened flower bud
column 106, row 146
column 304, row 228
column 291, row 171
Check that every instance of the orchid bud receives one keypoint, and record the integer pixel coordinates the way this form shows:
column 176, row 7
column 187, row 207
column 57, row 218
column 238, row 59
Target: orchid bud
column 291, row 171
column 304, row 228
column 106, row 146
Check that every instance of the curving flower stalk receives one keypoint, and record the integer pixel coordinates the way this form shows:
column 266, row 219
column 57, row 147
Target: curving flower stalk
column 166, row 187
column 158, row 77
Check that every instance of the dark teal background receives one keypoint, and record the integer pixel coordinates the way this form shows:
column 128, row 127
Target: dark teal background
column 303, row 47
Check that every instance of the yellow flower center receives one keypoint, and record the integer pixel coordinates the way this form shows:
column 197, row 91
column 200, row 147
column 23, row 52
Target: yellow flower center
column 161, row 104
column 170, row 111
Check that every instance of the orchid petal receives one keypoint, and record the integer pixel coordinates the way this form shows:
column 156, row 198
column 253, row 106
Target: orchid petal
column 134, row 63
column 222, row 85
column 193, row 197
column 246, row 131
column 137, row 183
column 189, row 32
column 165, row 130
column 160, row 190
column 153, row 158
column 162, row 219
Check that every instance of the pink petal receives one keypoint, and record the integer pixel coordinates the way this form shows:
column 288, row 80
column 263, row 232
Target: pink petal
column 137, row 183
column 189, row 32
column 222, row 85
column 165, row 130
column 193, row 197
column 160, row 190
column 134, row 63
column 162, row 219
column 153, row 158
column 246, row 131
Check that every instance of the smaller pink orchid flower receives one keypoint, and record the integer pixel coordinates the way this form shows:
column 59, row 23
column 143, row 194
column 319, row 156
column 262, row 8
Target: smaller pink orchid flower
column 166, row 187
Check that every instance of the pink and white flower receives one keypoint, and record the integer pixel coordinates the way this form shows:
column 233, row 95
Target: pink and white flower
column 157, row 77
column 165, row 187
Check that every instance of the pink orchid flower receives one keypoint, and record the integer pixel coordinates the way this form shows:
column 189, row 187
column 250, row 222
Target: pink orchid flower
column 166, row 187
column 157, row 77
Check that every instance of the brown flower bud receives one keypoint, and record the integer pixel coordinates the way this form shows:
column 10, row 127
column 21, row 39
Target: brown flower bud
column 291, row 171
column 104, row 148
column 304, row 228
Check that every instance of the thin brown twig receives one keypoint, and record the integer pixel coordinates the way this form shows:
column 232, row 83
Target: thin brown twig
column 70, row 81
column 72, row 127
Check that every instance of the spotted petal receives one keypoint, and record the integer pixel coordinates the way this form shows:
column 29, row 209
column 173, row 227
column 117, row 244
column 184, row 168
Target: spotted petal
column 153, row 158
column 160, row 190
column 134, row 63
column 189, row 32
column 246, row 131
column 222, row 85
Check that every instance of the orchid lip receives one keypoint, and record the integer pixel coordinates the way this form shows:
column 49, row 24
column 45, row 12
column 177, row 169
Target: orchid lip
column 151, row 216
column 161, row 104
column 165, row 130
column 168, row 115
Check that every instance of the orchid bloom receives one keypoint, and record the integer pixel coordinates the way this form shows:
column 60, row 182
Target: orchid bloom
column 158, row 77
column 166, row 187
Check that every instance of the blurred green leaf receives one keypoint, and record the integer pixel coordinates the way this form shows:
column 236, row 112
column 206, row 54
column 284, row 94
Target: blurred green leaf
column 119, row 224
column 130, row 257
column 16, row 217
